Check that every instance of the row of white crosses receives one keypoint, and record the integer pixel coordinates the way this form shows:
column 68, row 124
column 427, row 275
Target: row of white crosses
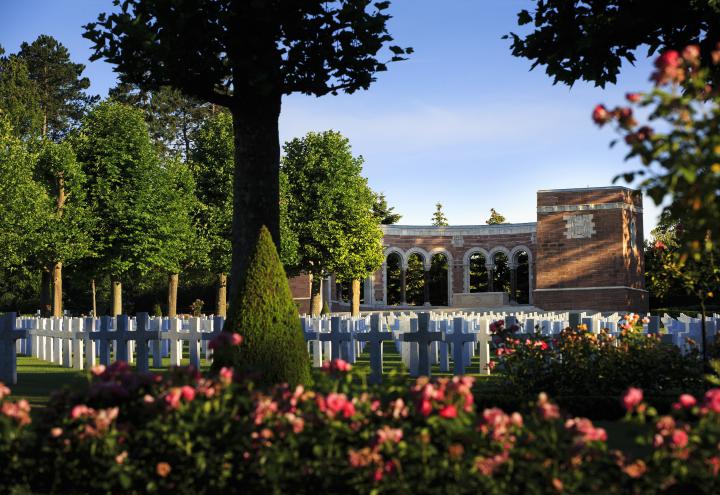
column 428, row 338
column 81, row 343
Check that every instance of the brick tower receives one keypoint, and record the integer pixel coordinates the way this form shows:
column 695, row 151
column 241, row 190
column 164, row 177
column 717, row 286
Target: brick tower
column 590, row 250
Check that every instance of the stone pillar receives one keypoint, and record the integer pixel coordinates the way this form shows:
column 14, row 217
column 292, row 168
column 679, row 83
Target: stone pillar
column 491, row 273
column 426, row 287
column 513, row 282
column 403, row 299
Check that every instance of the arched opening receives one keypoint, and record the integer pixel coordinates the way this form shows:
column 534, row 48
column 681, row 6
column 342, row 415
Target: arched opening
column 478, row 273
column 393, row 282
column 415, row 280
column 439, row 280
column 501, row 273
column 522, row 277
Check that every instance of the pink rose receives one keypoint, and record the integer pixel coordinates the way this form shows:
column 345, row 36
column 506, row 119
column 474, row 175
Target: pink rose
column 687, row 401
column 679, row 439
column 600, row 115
column 633, row 97
column 712, row 400
column 632, row 398
column 448, row 412
column 188, row 393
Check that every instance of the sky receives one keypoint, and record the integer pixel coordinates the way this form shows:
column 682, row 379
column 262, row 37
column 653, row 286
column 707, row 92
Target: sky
column 462, row 122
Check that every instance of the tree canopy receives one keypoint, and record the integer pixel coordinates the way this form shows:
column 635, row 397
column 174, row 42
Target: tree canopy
column 59, row 84
column 589, row 40
column 246, row 56
column 384, row 213
column 330, row 208
column 439, row 219
column 495, row 218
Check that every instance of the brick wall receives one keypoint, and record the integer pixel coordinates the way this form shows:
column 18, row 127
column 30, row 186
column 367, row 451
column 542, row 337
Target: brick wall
column 584, row 242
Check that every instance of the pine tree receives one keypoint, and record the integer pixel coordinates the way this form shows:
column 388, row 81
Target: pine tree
column 273, row 347
column 384, row 213
column 439, row 219
column 495, row 218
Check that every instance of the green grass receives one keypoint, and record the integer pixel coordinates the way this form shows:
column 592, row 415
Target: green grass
column 37, row 380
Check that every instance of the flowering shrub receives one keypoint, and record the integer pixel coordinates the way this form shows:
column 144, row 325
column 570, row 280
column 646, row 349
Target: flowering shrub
column 183, row 433
column 596, row 366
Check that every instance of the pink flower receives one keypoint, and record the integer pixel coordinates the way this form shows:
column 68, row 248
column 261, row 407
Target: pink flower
column 448, row 412
column 339, row 403
column 337, row 365
column 691, row 54
column 669, row 59
column 632, row 398
column 80, row 411
column 172, row 399
column 224, row 339
column 600, row 115
column 56, row 432
column 4, row 391
column 236, row 339
column 547, row 410
column 679, row 439
column 712, row 400
column 660, row 246
column 686, row 401
column 633, row 97
column 226, row 375
column 98, row 370
column 390, row 435
column 425, row 407
column 188, row 393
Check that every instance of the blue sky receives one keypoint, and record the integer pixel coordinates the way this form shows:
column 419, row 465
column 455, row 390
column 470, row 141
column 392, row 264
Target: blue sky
column 462, row 122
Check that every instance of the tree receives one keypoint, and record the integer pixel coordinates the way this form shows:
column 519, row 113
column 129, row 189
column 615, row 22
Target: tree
column 132, row 192
column 581, row 40
column 67, row 236
column 245, row 56
column 173, row 118
column 495, row 218
column 212, row 164
column 330, row 210
column 439, row 219
column 681, row 159
column 385, row 214
column 24, row 201
column 273, row 346
column 19, row 96
column 59, row 82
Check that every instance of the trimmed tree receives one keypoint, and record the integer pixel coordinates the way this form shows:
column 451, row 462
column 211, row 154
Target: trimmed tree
column 323, row 180
column 245, row 56
column 273, row 348
column 128, row 188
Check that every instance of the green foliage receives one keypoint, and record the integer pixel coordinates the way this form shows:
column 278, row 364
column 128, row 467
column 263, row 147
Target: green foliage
column 266, row 316
column 173, row 119
column 589, row 41
column 143, row 203
column 325, row 309
column 579, row 363
column 67, row 236
column 495, row 218
column 180, row 433
column 384, row 213
column 19, row 96
column 439, row 219
column 415, row 280
column 59, row 84
column 329, row 207
column 308, row 47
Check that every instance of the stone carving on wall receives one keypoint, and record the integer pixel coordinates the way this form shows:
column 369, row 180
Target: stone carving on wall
column 579, row 226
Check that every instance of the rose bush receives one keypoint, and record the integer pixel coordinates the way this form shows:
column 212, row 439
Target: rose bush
column 185, row 433
column 585, row 372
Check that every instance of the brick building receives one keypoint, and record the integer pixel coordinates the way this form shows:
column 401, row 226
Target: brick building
column 584, row 252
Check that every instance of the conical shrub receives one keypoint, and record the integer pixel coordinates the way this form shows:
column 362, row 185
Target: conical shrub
column 273, row 348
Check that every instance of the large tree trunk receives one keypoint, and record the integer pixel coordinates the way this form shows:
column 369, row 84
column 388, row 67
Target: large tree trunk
column 173, row 281
column 355, row 290
column 256, row 187
column 45, row 303
column 117, row 298
column 221, row 307
column 57, row 290
column 315, row 295
column 94, row 298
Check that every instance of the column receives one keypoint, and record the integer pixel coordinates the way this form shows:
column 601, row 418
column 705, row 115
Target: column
column 491, row 273
column 513, row 282
column 426, row 287
column 531, row 279
column 403, row 299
